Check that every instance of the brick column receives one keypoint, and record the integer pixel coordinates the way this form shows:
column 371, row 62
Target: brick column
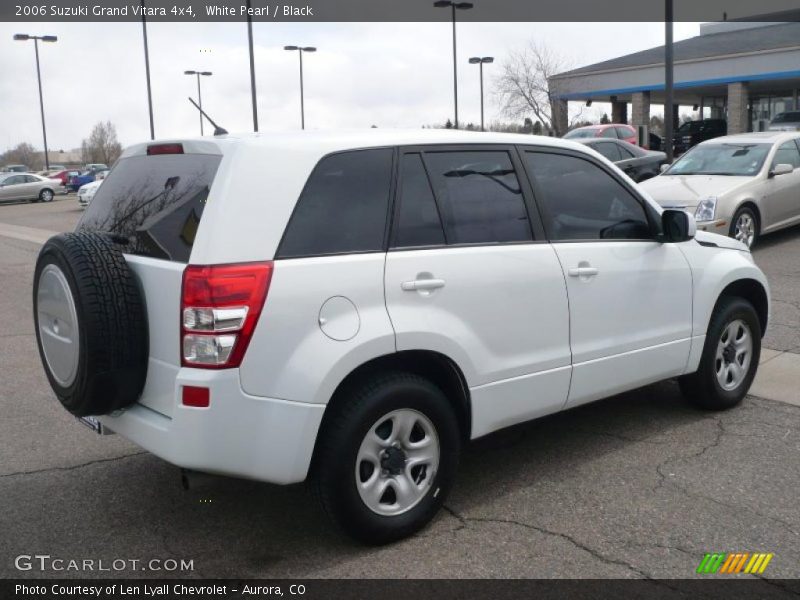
column 640, row 109
column 738, row 97
column 560, row 112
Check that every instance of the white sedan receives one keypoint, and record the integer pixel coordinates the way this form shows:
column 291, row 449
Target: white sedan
column 739, row 185
column 87, row 191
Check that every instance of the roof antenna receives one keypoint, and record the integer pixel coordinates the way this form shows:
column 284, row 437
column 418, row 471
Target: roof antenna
column 217, row 129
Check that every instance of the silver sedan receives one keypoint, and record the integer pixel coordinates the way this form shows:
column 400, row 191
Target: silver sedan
column 27, row 186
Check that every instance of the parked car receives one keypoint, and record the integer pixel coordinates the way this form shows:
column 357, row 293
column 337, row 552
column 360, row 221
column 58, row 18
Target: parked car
column 27, row 186
column 400, row 294
column 87, row 191
column 76, row 181
column 63, row 175
column 786, row 121
column 15, row 169
column 612, row 130
column 656, row 142
column 741, row 185
column 96, row 167
column 692, row 133
column 637, row 163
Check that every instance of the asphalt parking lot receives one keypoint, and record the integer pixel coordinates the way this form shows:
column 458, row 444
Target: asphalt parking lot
column 640, row 485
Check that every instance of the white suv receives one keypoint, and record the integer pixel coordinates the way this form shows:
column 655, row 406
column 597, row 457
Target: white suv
column 355, row 307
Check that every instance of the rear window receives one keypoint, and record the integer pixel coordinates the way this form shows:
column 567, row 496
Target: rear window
column 153, row 204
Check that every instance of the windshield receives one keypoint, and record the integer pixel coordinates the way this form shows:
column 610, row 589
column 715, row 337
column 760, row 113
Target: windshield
column 721, row 159
column 581, row 133
column 787, row 117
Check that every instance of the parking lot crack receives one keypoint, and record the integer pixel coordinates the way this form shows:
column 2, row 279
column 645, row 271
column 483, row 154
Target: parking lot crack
column 72, row 467
column 591, row 551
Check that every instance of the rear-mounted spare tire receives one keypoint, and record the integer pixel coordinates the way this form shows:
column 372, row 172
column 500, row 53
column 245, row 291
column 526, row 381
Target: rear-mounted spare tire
column 91, row 325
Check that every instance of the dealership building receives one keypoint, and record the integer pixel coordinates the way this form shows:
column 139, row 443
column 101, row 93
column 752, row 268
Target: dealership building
column 743, row 72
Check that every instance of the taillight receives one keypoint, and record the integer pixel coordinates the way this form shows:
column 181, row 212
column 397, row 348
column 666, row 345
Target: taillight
column 220, row 307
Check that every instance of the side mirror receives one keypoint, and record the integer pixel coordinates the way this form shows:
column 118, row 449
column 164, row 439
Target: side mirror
column 781, row 169
column 678, row 226
column 663, row 167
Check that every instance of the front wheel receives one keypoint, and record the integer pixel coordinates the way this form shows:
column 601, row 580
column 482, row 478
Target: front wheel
column 730, row 357
column 744, row 226
column 387, row 457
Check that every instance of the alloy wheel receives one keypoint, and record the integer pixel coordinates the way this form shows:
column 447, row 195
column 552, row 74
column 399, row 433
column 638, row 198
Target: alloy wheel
column 397, row 462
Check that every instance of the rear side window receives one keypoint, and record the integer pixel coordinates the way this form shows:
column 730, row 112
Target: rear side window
column 479, row 197
column 343, row 207
column 625, row 132
column 418, row 222
column 581, row 201
column 153, row 204
column 610, row 132
column 608, row 149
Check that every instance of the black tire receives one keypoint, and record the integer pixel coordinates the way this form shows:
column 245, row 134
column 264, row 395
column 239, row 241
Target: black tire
column 746, row 210
column 702, row 388
column 46, row 195
column 112, row 340
column 353, row 414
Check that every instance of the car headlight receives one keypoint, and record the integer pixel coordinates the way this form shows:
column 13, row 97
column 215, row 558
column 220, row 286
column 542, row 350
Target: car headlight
column 705, row 210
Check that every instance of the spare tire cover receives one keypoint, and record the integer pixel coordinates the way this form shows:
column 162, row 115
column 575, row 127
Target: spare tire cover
column 91, row 324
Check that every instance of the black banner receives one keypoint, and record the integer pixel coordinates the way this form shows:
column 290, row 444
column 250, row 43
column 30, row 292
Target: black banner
column 439, row 589
column 188, row 11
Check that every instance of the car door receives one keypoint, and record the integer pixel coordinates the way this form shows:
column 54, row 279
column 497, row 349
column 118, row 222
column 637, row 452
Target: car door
column 782, row 195
column 630, row 296
column 31, row 187
column 14, row 188
column 633, row 166
column 469, row 276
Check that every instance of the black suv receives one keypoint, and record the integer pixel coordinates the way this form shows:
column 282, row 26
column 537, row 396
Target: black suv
column 692, row 133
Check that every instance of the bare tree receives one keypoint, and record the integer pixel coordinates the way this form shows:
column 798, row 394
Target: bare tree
column 524, row 87
column 102, row 145
column 22, row 154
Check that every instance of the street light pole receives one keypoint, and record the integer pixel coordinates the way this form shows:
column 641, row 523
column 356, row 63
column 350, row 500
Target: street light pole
column 252, row 67
column 199, row 95
column 454, row 6
column 147, row 73
column 23, row 37
column 300, row 50
column 668, row 81
column 480, row 61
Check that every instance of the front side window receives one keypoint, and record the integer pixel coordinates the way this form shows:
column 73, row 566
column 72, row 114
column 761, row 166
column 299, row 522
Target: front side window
column 787, row 154
column 343, row 207
column 581, row 201
column 609, row 132
column 478, row 196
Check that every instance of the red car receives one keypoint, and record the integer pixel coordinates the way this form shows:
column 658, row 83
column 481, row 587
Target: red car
column 64, row 176
column 612, row 130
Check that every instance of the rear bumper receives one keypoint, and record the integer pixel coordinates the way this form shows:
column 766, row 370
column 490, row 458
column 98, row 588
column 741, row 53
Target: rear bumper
column 238, row 434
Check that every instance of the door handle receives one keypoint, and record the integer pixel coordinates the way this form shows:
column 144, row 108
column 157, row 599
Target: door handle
column 422, row 284
column 583, row 272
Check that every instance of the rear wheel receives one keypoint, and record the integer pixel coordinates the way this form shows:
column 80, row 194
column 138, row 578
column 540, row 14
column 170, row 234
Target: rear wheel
column 744, row 226
column 730, row 357
column 46, row 195
column 387, row 457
